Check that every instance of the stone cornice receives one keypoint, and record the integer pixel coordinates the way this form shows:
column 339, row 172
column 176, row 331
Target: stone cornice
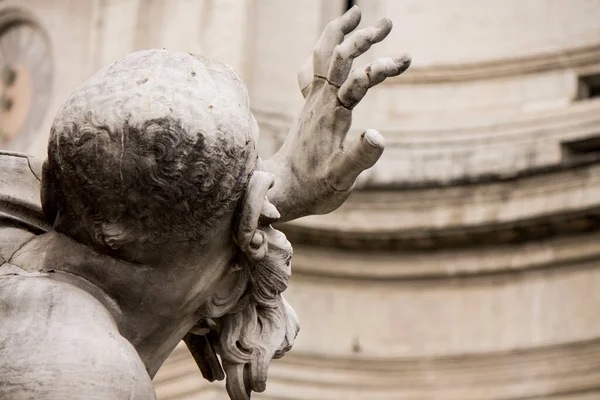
column 526, row 230
column 527, row 145
column 416, row 366
column 476, row 152
column 527, row 209
column 482, row 263
column 572, row 367
column 514, row 128
column 492, row 69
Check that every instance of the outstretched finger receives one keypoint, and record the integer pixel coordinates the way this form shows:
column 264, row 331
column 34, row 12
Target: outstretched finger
column 362, row 154
column 360, row 81
column 357, row 44
column 332, row 36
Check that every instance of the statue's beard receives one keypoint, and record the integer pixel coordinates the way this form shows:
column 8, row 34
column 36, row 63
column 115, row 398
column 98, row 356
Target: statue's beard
column 263, row 326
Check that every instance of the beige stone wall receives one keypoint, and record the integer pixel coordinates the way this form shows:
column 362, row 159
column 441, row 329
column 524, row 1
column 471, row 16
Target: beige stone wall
column 466, row 266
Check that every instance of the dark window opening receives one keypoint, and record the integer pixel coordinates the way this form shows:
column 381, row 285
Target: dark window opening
column 581, row 149
column 588, row 87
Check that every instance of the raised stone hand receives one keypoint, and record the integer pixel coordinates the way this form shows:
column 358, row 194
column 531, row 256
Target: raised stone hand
column 315, row 171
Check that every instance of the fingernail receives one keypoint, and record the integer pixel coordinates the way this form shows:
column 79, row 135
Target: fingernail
column 374, row 138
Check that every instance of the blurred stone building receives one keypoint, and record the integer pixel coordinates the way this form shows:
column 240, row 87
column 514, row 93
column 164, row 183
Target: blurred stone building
column 466, row 265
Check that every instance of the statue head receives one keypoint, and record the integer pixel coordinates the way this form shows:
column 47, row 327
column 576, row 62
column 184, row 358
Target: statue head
column 157, row 151
column 156, row 148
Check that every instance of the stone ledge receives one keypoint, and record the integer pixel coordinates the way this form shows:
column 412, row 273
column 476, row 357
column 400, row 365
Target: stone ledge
column 499, row 68
column 489, row 263
column 531, row 208
column 563, row 371
column 526, row 144
column 418, row 240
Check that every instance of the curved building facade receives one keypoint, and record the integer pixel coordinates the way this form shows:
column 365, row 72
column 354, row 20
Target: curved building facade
column 465, row 265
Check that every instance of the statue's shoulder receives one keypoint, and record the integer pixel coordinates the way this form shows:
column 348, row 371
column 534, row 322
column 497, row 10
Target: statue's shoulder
column 21, row 215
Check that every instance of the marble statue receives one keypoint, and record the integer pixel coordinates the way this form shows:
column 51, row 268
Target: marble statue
column 156, row 220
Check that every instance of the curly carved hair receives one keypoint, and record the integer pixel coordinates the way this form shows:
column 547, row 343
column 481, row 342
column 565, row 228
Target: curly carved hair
column 153, row 148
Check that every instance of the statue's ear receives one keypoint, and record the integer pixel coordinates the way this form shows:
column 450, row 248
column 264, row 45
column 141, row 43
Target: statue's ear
column 255, row 211
column 115, row 235
column 48, row 194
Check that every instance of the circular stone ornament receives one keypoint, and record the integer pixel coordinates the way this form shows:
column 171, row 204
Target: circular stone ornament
column 25, row 78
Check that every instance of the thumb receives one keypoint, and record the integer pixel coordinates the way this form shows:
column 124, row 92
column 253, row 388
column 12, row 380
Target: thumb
column 362, row 154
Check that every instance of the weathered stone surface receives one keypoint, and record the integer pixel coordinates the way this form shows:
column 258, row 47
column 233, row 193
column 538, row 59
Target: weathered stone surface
column 158, row 214
column 473, row 164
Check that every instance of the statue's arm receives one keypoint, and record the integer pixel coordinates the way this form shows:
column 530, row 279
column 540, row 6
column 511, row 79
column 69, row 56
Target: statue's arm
column 21, row 215
column 20, row 177
column 314, row 171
